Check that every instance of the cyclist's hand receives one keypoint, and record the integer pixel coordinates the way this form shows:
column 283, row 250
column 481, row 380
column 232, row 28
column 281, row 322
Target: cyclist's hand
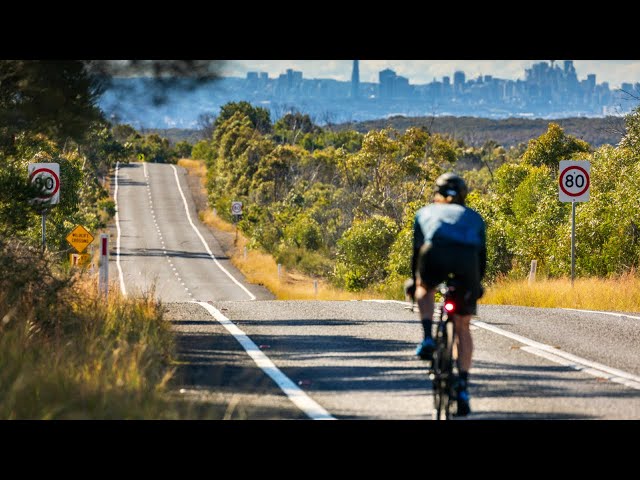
column 410, row 289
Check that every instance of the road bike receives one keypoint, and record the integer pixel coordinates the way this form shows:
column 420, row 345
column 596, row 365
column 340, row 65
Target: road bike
column 443, row 373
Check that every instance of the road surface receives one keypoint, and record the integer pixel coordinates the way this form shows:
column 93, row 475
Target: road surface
column 244, row 355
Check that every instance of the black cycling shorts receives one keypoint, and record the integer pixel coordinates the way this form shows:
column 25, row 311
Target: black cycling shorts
column 436, row 262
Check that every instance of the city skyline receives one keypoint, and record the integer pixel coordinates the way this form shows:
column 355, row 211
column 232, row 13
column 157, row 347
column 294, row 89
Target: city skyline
column 615, row 72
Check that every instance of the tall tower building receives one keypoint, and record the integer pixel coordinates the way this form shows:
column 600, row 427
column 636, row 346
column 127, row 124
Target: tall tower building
column 355, row 80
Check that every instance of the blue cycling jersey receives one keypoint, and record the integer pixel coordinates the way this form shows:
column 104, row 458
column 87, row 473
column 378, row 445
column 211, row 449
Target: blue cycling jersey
column 449, row 223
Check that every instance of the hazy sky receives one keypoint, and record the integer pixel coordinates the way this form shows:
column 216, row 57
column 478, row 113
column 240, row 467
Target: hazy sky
column 423, row 71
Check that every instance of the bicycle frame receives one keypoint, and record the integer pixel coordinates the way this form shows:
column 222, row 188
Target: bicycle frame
column 442, row 367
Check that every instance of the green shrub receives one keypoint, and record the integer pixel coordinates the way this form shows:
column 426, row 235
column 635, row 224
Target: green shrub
column 363, row 251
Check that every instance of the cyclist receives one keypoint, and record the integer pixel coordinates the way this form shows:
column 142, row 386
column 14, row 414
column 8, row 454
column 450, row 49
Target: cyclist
column 449, row 238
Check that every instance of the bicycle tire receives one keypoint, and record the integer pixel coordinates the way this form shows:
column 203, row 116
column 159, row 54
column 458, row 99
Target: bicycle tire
column 441, row 362
column 442, row 369
column 449, row 383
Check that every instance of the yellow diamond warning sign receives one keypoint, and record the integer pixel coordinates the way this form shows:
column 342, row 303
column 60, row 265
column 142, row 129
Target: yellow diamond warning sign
column 79, row 238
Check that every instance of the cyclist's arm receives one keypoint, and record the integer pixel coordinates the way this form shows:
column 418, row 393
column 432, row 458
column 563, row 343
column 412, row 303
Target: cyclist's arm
column 418, row 240
column 483, row 252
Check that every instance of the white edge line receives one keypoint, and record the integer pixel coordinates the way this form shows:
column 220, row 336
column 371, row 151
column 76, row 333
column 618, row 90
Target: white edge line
column 186, row 208
column 622, row 315
column 559, row 356
column 551, row 353
column 305, row 403
column 115, row 199
column 582, row 368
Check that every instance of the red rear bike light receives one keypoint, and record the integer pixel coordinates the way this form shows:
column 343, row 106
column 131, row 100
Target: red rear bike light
column 449, row 306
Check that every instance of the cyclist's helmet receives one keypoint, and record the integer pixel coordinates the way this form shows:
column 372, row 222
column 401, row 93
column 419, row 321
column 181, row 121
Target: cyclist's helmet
column 451, row 185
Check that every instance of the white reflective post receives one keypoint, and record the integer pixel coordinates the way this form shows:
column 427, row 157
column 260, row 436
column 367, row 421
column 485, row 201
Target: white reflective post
column 103, row 284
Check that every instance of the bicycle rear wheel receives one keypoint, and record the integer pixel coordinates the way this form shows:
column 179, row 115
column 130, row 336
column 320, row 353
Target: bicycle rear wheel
column 442, row 371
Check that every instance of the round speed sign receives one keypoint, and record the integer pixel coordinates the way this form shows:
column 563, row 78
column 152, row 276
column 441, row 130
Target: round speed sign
column 574, row 181
column 46, row 177
column 236, row 208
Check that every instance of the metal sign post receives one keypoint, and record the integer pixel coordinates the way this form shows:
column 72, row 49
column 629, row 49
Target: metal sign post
column 573, row 241
column 44, row 230
column 574, row 183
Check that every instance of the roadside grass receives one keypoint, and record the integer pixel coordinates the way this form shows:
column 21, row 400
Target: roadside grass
column 620, row 293
column 197, row 167
column 65, row 353
column 261, row 268
column 213, row 220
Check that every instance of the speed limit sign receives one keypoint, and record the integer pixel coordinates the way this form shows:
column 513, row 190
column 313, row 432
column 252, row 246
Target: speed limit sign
column 236, row 208
column 46, row 177
column 574, row 181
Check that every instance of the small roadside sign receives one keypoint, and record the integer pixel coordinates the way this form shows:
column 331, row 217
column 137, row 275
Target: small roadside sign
column 79, row 238
column 236, row 208
column 574, row 181
column 79, row 259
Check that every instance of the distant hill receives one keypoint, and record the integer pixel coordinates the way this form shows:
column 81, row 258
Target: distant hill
column 175, row 135
column 475, row 131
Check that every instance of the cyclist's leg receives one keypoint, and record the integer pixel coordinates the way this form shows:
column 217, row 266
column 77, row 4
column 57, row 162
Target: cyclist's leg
column 425, row 297
column 468, row 275
column 428, row 276
column 464, row 342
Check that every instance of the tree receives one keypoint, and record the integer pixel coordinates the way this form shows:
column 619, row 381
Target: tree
column 363, row 251
column 259, row 117
column 162, row 77
column 631, row 138
column 291, row 126
column 552, row 146
column 206, row 125
column 54, row 98
column 183, row 149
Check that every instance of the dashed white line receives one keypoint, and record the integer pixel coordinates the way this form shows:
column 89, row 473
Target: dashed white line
column 305, row 403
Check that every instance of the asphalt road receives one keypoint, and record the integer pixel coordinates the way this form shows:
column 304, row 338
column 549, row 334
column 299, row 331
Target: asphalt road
column 265, row 359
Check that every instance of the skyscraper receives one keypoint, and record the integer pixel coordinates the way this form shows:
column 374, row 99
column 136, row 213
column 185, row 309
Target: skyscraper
column 355, row 80
column 387, row 79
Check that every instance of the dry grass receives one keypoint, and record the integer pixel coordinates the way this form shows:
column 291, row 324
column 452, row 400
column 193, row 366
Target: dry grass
column 213, row 220
column 65, row 353
column 196, row 167
column 615, row 294
column 261, row 268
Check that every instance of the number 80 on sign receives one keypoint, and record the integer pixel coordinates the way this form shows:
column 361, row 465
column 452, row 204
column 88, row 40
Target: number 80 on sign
column 574, row 181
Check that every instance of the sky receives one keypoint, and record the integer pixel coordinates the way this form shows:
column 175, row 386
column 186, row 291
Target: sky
column 424, row 71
